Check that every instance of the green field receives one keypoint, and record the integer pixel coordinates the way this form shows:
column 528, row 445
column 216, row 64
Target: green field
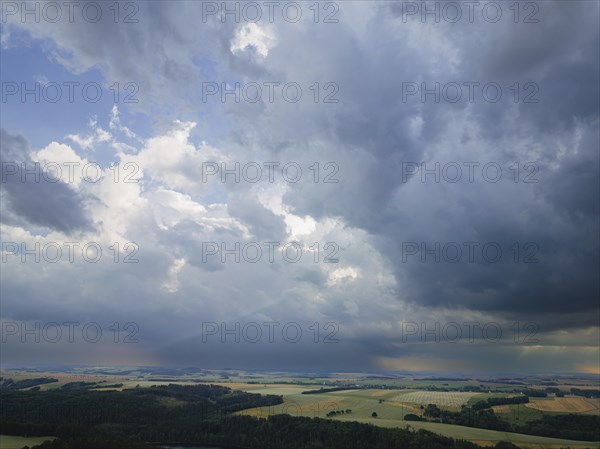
column 482, row 436
column 484, row 396
column 12, row 442
column 392, row 405
column 448, row 400
column 518, row 413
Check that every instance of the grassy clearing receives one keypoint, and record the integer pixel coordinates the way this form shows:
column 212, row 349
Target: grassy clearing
column 517, row 413
column 13, row 442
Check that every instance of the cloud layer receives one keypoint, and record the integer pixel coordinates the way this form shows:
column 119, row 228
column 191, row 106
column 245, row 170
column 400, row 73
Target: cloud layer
column 481, row 210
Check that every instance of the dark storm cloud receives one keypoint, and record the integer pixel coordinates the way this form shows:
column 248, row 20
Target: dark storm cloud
column 209, row 350
column 371, row 132
column 40, row 202
column 563, row 278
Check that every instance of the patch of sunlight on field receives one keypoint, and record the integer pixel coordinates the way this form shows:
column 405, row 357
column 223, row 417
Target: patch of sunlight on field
column 14, row 442
column 443, row 399
column 406, row 407
column 576, row 404
column 276, row 389
column 315, row 405
column 517, row 413
column 385, row 395
column 501, row 409
column 303, row 405
column 361, row 402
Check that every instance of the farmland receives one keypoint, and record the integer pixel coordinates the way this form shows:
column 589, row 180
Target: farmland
column 392, row 405
column 14, row 442
column 449, row 400
column 517, row 413
column 567, row 405
column 352, row 397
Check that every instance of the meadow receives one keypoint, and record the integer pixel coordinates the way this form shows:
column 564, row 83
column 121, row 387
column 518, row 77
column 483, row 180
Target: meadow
column 392, row 405
column 14, row 442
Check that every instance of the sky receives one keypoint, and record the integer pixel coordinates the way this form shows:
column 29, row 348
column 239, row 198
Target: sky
column 350, row 185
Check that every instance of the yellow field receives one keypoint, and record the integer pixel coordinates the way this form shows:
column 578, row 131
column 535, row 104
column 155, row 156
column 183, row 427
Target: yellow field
column 443, row 399
column 568, row 386
column 380, row 393
column 501, row 408
column 12, row 442
column 575, row 404
column 276, row 389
